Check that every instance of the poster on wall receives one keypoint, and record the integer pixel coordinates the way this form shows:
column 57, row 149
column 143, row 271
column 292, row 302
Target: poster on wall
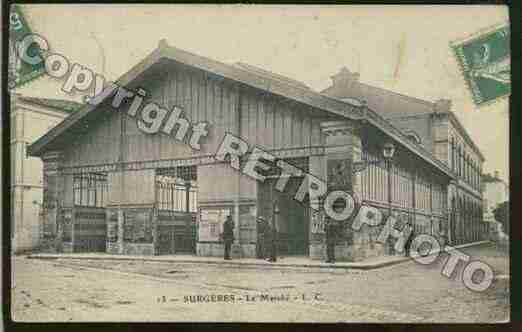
column 247, row 223
column 211, row 223
column 339, row 174
column 67, row 226
column 112, row 226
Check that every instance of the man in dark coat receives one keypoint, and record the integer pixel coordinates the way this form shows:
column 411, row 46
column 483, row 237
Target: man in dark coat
column 267, row 237
column 228, row 235
column 331, row 236
column 271, row 240
column 261, row 241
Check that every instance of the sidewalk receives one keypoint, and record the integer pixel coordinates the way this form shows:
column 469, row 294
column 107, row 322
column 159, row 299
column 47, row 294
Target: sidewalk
column 292, row 261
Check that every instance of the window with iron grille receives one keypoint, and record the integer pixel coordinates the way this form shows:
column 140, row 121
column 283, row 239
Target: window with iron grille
column 90, row 189
column 176, row 188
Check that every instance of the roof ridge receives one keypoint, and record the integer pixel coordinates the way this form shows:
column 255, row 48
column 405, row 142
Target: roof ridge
column 306, row 96
column 49, row 99
column 68, row 105
column 422, row 101
column 264, row 72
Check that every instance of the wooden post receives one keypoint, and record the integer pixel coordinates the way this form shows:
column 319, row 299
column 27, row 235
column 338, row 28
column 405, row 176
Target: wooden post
column 414, row 216
column 121, row 159
column 187, row 196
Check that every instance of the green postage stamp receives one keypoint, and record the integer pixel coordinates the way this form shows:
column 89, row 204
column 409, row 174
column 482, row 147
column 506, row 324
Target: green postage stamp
column 21, row 72
column 484, row 59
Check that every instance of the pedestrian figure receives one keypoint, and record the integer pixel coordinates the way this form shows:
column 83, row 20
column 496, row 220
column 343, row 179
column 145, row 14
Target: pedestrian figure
column 273, row 232
column 272, row 242
column 228, row 236
column 407, row 245
column 261, row 241
column 331, row 236
column 267, row 237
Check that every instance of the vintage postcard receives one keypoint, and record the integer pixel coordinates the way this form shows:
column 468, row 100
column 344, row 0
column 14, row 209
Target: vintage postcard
column 245, row 163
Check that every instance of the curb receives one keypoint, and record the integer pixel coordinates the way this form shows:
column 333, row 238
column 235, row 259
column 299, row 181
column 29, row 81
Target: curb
column 348, row 266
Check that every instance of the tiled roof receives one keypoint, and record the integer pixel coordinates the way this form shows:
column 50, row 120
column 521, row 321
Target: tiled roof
column 393, row 105
column 388, row 104
column 253, row 77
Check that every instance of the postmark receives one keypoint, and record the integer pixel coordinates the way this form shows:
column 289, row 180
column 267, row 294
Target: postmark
column 484, row 60
column 21, row 72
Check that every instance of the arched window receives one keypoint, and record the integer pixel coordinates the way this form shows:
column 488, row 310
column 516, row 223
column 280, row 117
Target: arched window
column 466, row 163
column 475, row 173
column 463, row 163
column 459, row 161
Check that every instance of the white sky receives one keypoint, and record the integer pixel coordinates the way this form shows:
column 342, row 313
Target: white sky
column 308, row 43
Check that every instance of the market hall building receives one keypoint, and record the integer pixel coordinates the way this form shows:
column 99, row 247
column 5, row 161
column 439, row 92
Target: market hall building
column 120, row 190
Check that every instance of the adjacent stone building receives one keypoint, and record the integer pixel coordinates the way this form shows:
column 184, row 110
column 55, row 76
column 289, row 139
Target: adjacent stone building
column 433, row 126
column 121, row 190
column 30, row 118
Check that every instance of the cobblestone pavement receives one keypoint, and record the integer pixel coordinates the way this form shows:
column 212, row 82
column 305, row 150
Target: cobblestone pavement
column 92, row 290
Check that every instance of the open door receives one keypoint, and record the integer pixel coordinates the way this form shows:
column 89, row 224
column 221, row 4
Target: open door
column 293, row 221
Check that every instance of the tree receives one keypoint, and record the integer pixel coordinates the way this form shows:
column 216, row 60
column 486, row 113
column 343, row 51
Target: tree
column 501, row 213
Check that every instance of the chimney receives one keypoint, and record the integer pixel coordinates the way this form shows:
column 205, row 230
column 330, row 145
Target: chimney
column 442, row 105
column 344, row 79
column 163, row 43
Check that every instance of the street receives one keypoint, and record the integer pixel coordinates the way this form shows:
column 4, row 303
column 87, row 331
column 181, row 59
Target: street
column 103, row 290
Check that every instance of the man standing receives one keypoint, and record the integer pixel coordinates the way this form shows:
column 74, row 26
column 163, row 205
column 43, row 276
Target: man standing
column 228, row 236
column 261, row 229
column 331, row 235
column 273, row 232
column 272, row 242
column 409, row 239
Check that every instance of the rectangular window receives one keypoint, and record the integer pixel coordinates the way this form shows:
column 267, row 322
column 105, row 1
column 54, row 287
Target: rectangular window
column 176, row 188
column 90, row 189
column 422, row 192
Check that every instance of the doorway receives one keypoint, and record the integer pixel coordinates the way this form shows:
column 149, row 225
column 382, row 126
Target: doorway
column 176, row 233
column 293, row 221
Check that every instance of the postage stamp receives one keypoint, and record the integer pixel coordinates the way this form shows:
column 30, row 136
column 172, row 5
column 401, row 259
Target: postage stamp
column 21, row 72
column 484, row 59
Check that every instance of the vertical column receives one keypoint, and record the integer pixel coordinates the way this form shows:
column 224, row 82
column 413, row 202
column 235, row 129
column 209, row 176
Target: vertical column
column 414, row 201
column 432, row 233
column 343, row 147
column 317, row 167
column 52, row 196
column 236, row 247
column 120, row 230
column 19, row 235
column 356, row 158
